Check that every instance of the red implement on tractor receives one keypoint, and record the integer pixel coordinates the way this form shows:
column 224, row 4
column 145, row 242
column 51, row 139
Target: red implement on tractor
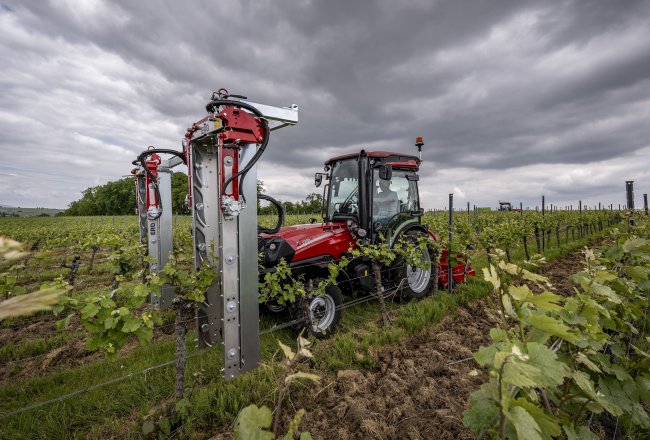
column 368, row 197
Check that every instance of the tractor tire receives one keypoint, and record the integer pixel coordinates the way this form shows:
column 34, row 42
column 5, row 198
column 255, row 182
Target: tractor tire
column 418, row 282
column 324, row 313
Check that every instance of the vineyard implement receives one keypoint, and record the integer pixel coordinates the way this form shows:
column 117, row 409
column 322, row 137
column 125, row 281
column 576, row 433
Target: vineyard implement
column 153, row 191
column 222, row 151
column 370, row 198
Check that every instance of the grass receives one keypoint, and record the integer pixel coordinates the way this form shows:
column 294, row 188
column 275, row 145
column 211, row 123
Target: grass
column 121, row 407
column 33, row 347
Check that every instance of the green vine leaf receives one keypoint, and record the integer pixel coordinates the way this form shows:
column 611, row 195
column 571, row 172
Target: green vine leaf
column 584, row 360
column 549, row 426
column 89, row 311
column 525, row 424
column 253, row 423
column 482, row 411
column 606, row 292
column 582, row 433
column 586, row 385
column 552, row 371
column 554, row 327
column 634, row 244
column 485, row 355
column 546, row 301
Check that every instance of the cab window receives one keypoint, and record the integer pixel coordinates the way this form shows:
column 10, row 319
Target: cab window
column 392, row 197
column 344, row 189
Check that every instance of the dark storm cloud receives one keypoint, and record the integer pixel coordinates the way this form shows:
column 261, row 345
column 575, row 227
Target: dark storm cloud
column 492, row 86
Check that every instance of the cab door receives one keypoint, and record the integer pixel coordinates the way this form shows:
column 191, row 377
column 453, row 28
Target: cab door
column 394, row 205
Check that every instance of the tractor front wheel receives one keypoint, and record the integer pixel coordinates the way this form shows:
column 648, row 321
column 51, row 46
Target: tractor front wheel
column 323, row 312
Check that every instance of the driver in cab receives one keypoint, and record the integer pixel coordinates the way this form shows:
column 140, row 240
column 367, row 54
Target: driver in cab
column 385, row 203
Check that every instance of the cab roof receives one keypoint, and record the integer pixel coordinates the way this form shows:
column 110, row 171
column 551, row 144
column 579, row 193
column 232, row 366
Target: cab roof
column 399, row 160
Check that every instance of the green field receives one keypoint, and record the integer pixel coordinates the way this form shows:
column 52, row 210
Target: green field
column 41, row 361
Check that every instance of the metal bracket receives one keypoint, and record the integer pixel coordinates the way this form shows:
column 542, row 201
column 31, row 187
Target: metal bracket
column 278, row 117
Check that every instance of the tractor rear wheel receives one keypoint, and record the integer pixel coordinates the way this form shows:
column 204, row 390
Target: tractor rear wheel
column 418, row 280
column 323, row 312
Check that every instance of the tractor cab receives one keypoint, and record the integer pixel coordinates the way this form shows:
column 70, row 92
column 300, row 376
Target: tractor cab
column 505, row 206
column 375, row 192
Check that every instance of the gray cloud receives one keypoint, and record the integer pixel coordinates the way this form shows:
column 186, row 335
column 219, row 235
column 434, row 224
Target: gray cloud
column 501, row 90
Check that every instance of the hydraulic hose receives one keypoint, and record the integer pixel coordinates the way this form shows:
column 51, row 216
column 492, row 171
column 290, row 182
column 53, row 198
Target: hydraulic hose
column 141, row 160
column 280, row 209
column 211, row 107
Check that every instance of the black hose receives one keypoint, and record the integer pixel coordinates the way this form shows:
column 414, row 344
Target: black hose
column 141, row 159
column 280, row 209
column 211, row 107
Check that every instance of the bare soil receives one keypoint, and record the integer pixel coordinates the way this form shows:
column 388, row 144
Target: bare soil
column 559, row 271
column 419, row 390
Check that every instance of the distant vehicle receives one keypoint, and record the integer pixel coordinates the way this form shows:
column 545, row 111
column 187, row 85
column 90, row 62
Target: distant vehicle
column 507, row 206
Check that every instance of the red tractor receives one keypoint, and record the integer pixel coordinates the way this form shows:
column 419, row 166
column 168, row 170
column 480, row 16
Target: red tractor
column 369, row 196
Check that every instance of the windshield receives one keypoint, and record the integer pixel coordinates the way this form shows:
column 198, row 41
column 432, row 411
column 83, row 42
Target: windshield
column 344, row 189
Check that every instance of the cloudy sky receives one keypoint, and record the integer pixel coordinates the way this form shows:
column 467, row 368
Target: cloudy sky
column 515, row 98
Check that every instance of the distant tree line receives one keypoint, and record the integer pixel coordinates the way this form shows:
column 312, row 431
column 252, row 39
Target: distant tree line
column 311, row 205
column 118, row 198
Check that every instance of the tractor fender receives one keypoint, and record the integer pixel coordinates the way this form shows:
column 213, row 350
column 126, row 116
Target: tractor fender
column 416, row 227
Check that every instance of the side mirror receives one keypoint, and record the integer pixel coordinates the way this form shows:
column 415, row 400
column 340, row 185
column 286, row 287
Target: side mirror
column 318, row 179
column 386, row 172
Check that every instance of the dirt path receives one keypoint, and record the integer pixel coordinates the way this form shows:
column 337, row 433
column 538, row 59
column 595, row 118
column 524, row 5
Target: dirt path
column 558, row 272
column 419, row 391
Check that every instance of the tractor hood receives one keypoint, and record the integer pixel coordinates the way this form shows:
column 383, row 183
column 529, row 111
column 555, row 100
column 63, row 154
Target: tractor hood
column 307, row 243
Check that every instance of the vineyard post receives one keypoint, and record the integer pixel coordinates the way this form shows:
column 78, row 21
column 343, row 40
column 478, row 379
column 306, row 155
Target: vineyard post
column 451, row 222
column 645, row 203
column 467, row 212
column 543, row 225
column 521, row 209
column 580, row 219
column 629, row 190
